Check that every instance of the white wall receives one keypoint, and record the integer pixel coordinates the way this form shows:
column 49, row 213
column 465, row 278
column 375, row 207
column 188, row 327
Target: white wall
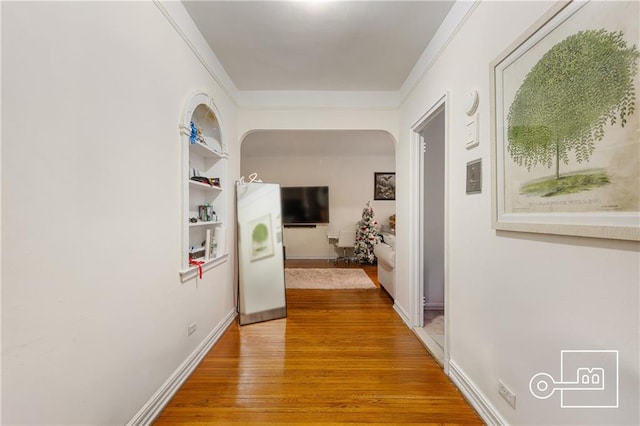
column 319, row 118
column 94, row 316
column 516, row 300
column 350, row 182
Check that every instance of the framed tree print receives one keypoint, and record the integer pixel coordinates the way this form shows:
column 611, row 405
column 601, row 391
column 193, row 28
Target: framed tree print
column 565, row 126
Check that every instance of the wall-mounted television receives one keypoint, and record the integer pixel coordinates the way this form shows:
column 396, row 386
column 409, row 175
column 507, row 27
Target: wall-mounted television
column 305, row 205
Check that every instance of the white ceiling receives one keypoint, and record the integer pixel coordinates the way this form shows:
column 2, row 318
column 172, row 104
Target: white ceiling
column 318, row 46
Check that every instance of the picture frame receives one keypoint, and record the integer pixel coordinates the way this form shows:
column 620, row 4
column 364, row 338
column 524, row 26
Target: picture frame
column 260, row 237
column 555, row 169
column 384, row 186
column 474, row 176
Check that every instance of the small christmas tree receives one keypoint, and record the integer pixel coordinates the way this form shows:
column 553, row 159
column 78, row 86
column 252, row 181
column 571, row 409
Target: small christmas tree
column 366, row 236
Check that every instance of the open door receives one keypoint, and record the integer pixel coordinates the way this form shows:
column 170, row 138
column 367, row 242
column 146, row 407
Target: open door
column 260, row 253
column 429, row 235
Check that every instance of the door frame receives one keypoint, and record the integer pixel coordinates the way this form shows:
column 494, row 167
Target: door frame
column 416, row 224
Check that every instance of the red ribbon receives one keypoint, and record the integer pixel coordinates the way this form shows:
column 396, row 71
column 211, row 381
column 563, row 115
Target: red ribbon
column 199, row 264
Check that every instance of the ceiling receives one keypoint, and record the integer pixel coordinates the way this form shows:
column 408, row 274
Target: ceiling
column 318, row 45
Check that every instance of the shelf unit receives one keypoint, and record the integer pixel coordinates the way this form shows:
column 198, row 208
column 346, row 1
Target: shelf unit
column 208, row 159
column 203, row 186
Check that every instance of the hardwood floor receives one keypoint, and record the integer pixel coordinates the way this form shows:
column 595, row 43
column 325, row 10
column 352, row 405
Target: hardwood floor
column 340, row 356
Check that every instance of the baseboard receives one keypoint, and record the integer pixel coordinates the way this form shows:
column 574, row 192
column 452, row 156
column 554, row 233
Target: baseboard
column 308, row 257
column 163, row 395
column 434, row 306
column 403, row 315
column 474, row 396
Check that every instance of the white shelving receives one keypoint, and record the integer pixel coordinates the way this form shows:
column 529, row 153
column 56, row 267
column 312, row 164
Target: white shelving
column 207, row 159
column 192, row 272
column 204, row 186
column 209, row 223
column 205, row 150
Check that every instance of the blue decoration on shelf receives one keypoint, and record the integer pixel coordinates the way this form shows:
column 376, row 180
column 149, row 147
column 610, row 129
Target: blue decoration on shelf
column 194, row 133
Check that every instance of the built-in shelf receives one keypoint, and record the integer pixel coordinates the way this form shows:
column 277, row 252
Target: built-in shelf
column 196, row 184
column 218, row 222
column 206, row 151
column 192, row 271
column 202, row 159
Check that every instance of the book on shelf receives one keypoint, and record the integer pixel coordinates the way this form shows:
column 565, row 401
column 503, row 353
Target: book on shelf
column 215, row 182
column 207, row 245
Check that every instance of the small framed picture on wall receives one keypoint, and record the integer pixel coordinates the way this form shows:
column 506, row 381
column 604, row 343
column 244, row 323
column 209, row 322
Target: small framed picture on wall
column 474, row 176
column 384, row 186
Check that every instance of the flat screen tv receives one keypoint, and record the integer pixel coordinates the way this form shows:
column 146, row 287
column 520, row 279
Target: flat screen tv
column 305, row 205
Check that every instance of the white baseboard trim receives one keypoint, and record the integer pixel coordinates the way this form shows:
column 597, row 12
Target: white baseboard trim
column 474, row 396
column 434, row 306
column 403, row 315
column 152, row 408
column 309, row 257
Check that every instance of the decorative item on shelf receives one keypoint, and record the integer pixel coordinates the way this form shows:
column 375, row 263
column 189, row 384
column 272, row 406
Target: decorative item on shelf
column 215, row 182
column 392, row 222
column 207, row 245
column 200, row 136
column 196, row 252
column 206, row 213
column 198, row 264
column 193, row 136
column 367, row 236
column 193, row 220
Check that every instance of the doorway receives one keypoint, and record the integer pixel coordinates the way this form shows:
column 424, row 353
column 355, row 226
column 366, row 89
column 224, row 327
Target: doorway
column 430, row 260
column 344, row 161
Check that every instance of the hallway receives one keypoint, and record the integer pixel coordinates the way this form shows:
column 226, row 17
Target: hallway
column 340, row 356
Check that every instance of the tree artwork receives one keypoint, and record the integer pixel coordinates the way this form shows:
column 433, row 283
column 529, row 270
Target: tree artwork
column 578, row 87
column 259, row 236
column 366, row 236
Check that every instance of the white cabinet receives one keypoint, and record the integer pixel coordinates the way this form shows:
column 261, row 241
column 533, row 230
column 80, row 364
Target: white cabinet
column 204, row 182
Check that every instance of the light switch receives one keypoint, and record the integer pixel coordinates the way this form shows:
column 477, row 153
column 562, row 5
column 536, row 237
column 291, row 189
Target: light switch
column 471, row 132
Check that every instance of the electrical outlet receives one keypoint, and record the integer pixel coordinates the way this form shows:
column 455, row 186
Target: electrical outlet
column 507, row 394
column 192, row 328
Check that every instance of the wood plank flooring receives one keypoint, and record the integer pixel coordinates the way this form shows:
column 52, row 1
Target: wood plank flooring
column 340, row 356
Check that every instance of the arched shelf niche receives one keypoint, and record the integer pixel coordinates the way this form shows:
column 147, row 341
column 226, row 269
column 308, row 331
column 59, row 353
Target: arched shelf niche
column 204, row 181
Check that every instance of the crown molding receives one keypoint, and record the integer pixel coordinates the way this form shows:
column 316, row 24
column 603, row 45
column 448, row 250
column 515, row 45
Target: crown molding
column 459, row 13
column 181, row 21
column 178, row 17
